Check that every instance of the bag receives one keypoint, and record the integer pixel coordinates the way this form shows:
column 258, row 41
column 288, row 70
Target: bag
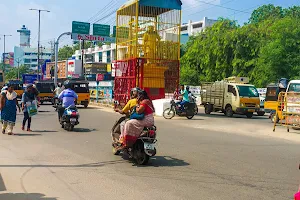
column 31, row 108
column 137, row 116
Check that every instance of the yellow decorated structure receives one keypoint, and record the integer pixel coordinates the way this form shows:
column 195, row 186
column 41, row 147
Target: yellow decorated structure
column 148, row 47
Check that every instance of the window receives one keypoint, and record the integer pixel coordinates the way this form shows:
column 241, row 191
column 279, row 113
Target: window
column 108, row 57
column 100, row 56
column 232, row 90
column 197, row 25
column 27, row 61
column 184, row 28
column 247, row 91
column 81, row 88
column 27, row 54
column 34, row 60
column 294, row 87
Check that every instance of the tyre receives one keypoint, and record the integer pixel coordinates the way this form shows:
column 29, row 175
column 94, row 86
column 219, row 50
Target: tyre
column 261, row 113
column 249, row 115
column 71, row 127
column 142, row 158
column 190, row 116
column 86, row 105
column 229, row 111
column 207, row 109
column 196, row 110
column 168, row 113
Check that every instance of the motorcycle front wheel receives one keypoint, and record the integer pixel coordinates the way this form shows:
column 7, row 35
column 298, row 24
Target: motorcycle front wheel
column 169, row 113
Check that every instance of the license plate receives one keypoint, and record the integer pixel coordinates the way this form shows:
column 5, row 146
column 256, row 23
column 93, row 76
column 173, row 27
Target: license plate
column 149, row 146
column 73, row 120
column 251, row 110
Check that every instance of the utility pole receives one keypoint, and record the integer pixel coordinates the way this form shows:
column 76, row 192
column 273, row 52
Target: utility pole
column 82, row 59
column 39, row 38
column 4, row 37
column 18, row 61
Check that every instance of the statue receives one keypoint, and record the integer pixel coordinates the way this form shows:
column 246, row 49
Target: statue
column 151, row 38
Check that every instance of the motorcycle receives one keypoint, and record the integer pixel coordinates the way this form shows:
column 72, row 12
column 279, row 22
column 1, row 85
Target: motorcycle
column 143, row 148
column 69, row 118
column 193, row 100
column 175, row 109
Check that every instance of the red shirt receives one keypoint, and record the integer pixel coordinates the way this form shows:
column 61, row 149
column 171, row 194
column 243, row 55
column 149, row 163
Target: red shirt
column 148, row 107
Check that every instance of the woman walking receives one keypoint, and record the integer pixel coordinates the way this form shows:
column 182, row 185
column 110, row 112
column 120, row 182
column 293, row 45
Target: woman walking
column 8, row 106
column 28, row 97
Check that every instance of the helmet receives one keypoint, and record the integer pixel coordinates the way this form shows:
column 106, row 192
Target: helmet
column 67, row 84
column 187, row 87
column 4, row 88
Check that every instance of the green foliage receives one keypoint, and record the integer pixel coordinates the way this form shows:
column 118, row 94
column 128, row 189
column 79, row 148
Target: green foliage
column 265, row 49
column 12, row 73
column 67, row 51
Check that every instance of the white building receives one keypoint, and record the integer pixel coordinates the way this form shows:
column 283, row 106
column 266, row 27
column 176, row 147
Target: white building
column 28, row 56
column 191, row 28
column 103, row 54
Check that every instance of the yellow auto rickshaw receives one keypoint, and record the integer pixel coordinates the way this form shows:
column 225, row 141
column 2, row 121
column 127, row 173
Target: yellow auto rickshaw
column 81, row 87
column 271, row 101
column 18, row 87
column 45, row 89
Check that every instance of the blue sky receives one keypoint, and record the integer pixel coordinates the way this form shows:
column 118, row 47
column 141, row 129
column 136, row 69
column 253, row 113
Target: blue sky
column 15, row 13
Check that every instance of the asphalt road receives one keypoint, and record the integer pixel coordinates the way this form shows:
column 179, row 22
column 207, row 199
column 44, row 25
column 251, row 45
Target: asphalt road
column 194, row 161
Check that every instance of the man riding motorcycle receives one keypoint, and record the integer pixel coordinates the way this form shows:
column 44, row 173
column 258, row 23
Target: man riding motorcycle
column 184, row 93
column 68, row 98
column 119, row 125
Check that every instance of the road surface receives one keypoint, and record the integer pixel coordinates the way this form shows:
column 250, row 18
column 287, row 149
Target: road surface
column 197, row 159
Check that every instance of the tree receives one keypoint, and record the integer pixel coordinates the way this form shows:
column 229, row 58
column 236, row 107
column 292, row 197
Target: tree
column 12, row 74
column 266, row 12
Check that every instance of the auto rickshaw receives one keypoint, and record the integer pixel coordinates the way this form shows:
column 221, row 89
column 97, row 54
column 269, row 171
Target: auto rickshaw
column 18, row 87
column 271, row 101
column 81, row 87
column 45, row 89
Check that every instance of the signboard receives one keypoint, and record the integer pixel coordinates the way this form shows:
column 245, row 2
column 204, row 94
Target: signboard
column 29, row 78
column 100, row 77
column 76, row 36
column 101, row 29
column 80, row 27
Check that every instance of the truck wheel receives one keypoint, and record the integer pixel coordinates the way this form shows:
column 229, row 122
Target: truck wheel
column 261, row 113
column 207, row 109
column 229, row 112
column 249, row 115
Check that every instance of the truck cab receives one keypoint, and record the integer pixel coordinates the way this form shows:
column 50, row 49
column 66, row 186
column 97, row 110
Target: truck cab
column 231, row 96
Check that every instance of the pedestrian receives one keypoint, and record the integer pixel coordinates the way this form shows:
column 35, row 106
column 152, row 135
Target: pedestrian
column 29, row 96
column 8, row 106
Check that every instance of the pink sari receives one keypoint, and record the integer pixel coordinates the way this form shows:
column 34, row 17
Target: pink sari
column 133, row 128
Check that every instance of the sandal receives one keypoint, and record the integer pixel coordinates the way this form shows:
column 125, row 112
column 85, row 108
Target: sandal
column 10, row 133
column 29, row 130
column 3, row 131
column 23, row 128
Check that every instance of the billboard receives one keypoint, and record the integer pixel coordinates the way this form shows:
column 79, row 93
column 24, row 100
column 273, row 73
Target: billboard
column 9, row 59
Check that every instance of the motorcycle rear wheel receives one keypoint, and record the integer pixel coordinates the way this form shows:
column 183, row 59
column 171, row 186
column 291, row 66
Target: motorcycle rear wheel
column 142, row 158
column 190, row 116
column 115, row 151
column 168, row 113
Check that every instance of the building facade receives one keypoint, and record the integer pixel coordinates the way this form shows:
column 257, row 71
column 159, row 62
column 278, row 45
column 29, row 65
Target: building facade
column 28, row 56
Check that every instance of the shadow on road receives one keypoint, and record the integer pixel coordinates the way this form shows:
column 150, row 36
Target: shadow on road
column 44, row 131
column 84, row 130
column 166, row 161
column 27, row 134
column 25, row 196
column 88, row 165
column 221, row 115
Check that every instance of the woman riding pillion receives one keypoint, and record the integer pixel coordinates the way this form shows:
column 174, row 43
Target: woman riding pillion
column 142, row 117
column 119, row 125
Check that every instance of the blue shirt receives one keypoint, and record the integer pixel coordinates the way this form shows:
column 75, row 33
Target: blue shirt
column 185, row 95
column 68, row 97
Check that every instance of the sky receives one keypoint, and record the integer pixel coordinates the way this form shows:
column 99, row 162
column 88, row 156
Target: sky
column 15, row 13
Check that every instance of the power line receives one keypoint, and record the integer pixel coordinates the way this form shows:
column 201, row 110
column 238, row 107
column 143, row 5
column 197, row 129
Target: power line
column 222, row 7
column 100, row 11
column 106, row 16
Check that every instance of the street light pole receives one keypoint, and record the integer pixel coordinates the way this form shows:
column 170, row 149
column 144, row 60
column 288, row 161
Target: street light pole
column 39, row 39
column 3, row 58
column 56, row 56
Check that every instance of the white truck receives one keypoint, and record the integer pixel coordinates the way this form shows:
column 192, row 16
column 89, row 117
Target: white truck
column 231, row 96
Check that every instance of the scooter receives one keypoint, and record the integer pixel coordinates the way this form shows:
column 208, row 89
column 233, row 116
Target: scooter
column 143, row 148
column 70, row 118
column 188, row 110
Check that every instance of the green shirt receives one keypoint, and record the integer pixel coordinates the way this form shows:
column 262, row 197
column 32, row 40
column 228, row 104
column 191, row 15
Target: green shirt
column 185, row 95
